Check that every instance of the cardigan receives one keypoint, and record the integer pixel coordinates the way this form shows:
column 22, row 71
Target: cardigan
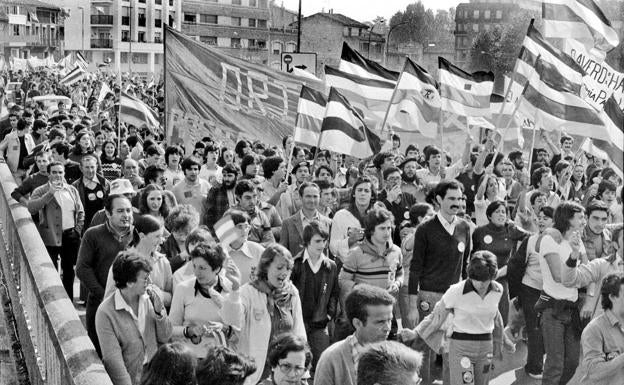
column 256, row 327
column 438, row 258
column 124, row 347
column 336, row 366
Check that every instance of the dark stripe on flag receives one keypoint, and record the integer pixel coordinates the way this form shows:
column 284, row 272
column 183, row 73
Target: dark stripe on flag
column 614, row 112
column 358, row 79
column 308, row 122
column 561, row 111
column 592, row 6
column 419, row 72
column 352, row 56
column 537, row 38
column 552, row 77
column 335, row 123
column 478, row 77
column 313, row 96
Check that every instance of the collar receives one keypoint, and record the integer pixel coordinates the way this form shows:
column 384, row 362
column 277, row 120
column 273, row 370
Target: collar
column 468, row 287
column 117, row 235
column 369, row 248
column 94, row 179
column 207, row 293
column 315, row 217
column 611, row 318
column 446, row 223
column 314, row 266
column 244, row 249
column 121, row 304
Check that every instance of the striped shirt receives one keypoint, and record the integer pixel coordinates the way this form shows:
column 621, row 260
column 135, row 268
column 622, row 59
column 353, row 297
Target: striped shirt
column 364, row 264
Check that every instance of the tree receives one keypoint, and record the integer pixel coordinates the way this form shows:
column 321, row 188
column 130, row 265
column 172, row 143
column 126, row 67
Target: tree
column 423, row 25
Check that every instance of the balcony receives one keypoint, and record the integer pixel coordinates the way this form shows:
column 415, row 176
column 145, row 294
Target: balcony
column 102, row 19
column 101, row 43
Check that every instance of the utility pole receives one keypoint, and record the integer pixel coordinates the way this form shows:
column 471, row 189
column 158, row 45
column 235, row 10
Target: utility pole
column 82, row 28
column 299, row 29
column 130, row 44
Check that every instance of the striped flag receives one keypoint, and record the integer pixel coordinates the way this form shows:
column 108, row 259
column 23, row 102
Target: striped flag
column 612, row 150
column 354, row 63
column 534, row 46
column 370, row 97
column 225, row 230
column 73, row 76
column 344, row 131
column 580, row 20
column 462, row 93
column 416, row 102
column 134, row 111
column 104, row 90
column 310, row 113
column 545, row 98
column 81, row 61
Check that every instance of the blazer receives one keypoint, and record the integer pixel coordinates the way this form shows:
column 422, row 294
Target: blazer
column 79, row 185
column 124, row 347
column 11, row 146
column 50, row 213
column 291, row 236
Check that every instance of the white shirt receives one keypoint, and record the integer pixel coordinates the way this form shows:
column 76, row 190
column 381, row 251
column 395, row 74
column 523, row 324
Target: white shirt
column 246, row 259
column 449, row 227
column 211, row 176
column 305, row 221
column 473, row 314
column 550, row 287
column 68, row 208
column 314, row 266
column 121, row 304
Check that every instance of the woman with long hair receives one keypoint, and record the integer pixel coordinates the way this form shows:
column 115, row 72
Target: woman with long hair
column 111, row 163
column 271, row 306
column 173, row 364
column 148, row 235
column 152, row 202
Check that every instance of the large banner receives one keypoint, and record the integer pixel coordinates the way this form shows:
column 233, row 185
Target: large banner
column 601, row 80
column 212, row 94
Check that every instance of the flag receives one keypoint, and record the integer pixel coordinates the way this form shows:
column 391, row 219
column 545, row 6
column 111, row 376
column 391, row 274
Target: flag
column 546, row 100
column 462, row 93
column 370, row 97
column 352, row 62
column 134, row 111
column 612, row 149
column 581, row 20
column 81, row 61
column 416, row 102
column 343, row 129
column 73, row 76
column 310, row 113
column 534, row 46
column 225, row 230
column 104, row 90
column 502, row 112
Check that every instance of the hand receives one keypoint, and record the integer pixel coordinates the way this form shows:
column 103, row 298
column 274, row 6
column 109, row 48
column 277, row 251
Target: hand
column 413, row 316
column 394, row 194
column 283, row 186
column 575, row 242
column 588, row 309
column 489, row 170
column 509, row 345
column 393, row 288
column 233, row 274
column 543, row 134
column 157, row 303
column 195, row 333
column 406, row 335
column 592, row 190
column 355, row 235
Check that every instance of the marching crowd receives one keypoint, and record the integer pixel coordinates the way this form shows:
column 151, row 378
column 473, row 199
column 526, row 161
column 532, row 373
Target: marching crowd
column 341, row 271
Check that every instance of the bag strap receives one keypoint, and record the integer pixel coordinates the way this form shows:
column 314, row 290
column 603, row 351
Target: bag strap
column 537, row 243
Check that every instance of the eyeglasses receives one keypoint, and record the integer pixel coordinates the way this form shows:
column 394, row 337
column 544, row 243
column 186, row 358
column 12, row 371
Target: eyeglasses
column 288, row 369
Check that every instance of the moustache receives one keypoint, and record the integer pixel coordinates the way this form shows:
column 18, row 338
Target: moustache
column 455, row 207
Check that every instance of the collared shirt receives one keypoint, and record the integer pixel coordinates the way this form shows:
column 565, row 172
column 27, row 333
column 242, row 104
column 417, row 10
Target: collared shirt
column 602, row 341
column 246, row 259
column 90, row 183
column 314, row 266
column 68, row 207
column 473, row 314
column 305, row 221
column 448, row 226
column 139, row 319
column 356, row 348
column 231, row 198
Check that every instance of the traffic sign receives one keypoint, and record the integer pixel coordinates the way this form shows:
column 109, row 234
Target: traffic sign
column 303, row 60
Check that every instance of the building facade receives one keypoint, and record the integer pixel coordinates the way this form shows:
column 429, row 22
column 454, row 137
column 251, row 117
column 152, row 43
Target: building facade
column 324, row 34
column 254, row 30
column 34, row 29
column 481, row 15
column 126, row 33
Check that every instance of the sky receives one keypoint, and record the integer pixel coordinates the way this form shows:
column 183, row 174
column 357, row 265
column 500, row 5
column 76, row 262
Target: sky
column 363, row 10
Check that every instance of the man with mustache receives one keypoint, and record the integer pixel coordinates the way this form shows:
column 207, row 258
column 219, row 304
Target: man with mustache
column 221, row 197
column 441, row 249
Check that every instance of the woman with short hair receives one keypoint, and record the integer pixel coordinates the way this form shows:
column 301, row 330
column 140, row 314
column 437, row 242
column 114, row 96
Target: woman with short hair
column 173, row 364
column 289, row 359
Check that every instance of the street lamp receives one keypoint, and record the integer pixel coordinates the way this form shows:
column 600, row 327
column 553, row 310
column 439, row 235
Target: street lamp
column 82, row 27
column 385, row 57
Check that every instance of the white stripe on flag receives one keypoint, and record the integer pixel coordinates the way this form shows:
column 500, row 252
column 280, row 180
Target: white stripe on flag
column 225, row 230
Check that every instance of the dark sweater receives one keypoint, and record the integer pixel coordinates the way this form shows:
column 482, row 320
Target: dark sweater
column 501, row 240
column 29, row 185
column 437, row 261
column 398, row 210
column 98, row 250
column 319, row 292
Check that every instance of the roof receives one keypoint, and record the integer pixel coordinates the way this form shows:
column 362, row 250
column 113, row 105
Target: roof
column 31, row 3
column 340, row 18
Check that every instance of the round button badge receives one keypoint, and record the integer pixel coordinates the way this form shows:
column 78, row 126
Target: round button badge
column 487, row 239
column 461, row 246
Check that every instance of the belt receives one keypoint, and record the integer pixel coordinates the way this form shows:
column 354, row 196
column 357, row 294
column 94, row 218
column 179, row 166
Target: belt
column 471, row 337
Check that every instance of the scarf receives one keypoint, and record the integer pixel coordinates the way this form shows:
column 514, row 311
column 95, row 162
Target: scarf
column 279, row 305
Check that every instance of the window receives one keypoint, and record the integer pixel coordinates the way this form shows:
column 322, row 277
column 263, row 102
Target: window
column 171, row 3
column 499, row 14
column 158, row 2
column 262, row 23
column 141, row 37
column 157, row 58
column 209, row 40
column 291, row 46
column 125, row 35
column 486, row 27
column 142, row 19
column 261, row 44
column 486, row 14
column 139, row 58
column 236, row 21
column 276, row 47
column 235, row 42
column 253, row 3
column 142, row 1
column 16, row 30
column 125, row 15
column 124, row 57
column 251, row 43
column 208, row 19
column 190, row 18
column 158, row 18
column 157, row 37
column 475, row 27
column 345, row 31
column 236, row 2
column 475, row 14
column 262, row 4
column 252, row 23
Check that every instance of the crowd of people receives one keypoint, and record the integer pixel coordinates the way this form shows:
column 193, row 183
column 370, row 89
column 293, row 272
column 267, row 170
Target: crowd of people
column 340, row 272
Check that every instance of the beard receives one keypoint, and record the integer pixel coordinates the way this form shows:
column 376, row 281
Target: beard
column 409, row 179
column 229, row 185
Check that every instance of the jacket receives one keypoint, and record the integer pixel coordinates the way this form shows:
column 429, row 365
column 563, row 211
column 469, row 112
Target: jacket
column 79, row 185
column 336, row 366
column 11, row 146
column 50, row 214
column 292, row 231
column 124, row 347
column 256, row 327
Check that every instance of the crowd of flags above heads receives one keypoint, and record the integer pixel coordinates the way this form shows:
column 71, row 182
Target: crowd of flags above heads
column 546, row 86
